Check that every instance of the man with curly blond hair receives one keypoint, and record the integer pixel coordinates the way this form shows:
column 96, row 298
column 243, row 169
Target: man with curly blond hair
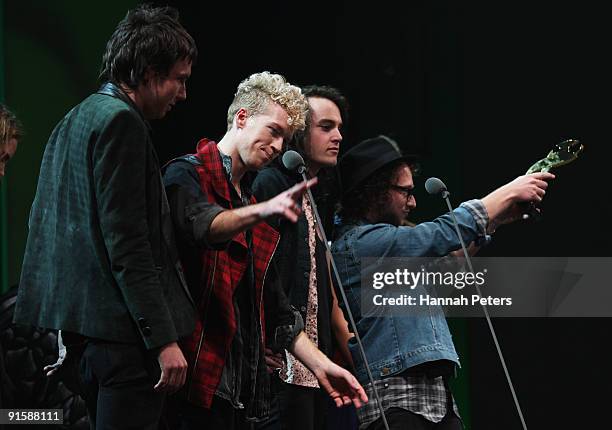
column 226, row 250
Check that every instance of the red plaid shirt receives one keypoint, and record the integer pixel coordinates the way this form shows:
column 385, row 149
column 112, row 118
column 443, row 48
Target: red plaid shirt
column 209, row 344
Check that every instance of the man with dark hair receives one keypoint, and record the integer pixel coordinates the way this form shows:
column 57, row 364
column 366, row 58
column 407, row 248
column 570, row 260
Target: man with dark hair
column 300, row 403
column 319, row 142
column 100, row 261
column 10, row 133
column 411, row 357
column 227, row 248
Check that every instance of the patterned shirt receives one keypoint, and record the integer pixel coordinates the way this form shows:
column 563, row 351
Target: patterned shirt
column 421, row 395
column 294, row 371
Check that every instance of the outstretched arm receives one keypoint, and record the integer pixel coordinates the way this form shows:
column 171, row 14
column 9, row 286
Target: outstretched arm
column 229, row 223
column 502, row 204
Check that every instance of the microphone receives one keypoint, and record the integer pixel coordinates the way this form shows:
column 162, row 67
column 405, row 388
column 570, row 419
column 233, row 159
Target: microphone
column 435, row 186
column 294, row 162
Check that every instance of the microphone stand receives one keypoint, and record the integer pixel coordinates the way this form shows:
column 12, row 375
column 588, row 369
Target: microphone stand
column 302, row 170
column 445, row 195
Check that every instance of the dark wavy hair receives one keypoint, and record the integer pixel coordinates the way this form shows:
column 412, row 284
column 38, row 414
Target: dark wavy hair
column 327, row 191
column 324, row 92
column 371, row 193
column 10, row 126
column 148, row 37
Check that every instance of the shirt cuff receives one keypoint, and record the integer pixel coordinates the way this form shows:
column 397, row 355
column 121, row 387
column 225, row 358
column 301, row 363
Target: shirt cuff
column 201, row 216
column 481, row 216
column 284, row 335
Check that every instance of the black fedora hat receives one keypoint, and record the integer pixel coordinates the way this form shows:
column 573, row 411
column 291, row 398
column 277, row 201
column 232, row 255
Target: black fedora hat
column 368, row 156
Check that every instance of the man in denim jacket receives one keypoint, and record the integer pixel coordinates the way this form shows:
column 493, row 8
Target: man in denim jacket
column 410, row 357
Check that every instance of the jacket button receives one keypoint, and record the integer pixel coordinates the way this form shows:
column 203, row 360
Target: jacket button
column 146, row 330
column 306, row 275
column 142, row 322
column 303, row 308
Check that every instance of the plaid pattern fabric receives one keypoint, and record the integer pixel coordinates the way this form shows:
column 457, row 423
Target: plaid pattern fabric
column 479, row 212
column 418, row 394
column 207, row 347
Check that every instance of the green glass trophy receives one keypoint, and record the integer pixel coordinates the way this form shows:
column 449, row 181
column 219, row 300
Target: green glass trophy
column 562, row 153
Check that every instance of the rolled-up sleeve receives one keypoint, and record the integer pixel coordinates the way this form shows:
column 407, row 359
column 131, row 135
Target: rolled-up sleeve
column 285, row 334
column 479, row 212
column 192, row 213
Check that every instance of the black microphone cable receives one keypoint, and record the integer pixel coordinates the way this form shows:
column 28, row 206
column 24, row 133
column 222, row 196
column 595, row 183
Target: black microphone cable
column 436, row 186
column 294, row 162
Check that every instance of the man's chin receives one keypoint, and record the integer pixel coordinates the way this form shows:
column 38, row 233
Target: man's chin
column 257, row 165
column 390, row 218
column 267, row 161
column 157, row 116
column 327, row 162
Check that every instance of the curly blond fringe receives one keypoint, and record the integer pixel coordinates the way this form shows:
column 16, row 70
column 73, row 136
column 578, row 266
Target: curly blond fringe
column 256, row 91
column 9, row 125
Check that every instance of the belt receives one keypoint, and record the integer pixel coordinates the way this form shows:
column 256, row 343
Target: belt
column 432, row 369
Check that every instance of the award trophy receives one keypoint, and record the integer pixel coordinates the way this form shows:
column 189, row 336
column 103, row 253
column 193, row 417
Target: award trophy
column 562, row 153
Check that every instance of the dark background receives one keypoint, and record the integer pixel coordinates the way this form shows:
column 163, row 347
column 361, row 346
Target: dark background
column 481, row 91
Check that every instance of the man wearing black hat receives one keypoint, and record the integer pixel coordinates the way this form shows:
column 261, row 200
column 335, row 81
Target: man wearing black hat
column 411, row 357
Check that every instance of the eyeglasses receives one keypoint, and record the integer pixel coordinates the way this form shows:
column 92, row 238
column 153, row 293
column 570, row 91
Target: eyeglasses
column 406, row 191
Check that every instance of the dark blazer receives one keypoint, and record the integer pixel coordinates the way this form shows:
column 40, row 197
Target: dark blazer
column 100, row 258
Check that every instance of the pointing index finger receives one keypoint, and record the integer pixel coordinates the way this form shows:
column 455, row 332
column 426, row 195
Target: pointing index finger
column 299, row 189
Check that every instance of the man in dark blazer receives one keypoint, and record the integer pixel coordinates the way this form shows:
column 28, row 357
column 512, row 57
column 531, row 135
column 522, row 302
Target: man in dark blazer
column 100, row 261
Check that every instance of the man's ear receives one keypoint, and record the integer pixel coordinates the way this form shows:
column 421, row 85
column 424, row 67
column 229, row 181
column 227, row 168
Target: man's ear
column 241, row 118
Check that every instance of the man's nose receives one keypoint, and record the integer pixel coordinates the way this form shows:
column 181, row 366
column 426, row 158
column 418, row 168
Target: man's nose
column 411, row 202
column 337, row 137
column 182, row 94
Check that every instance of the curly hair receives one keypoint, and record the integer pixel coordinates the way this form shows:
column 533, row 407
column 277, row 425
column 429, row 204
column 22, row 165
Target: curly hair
column 10, row 127
column 371, row 193
column 147, row 38
column 258, row 90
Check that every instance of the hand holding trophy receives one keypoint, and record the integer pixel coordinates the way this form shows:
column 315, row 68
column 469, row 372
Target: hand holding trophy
column 562, row 153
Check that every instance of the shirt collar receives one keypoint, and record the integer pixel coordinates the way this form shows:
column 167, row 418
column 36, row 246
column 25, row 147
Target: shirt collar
column 245, row 182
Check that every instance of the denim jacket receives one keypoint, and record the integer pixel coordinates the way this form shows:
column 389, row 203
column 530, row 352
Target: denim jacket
column 393, row 344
